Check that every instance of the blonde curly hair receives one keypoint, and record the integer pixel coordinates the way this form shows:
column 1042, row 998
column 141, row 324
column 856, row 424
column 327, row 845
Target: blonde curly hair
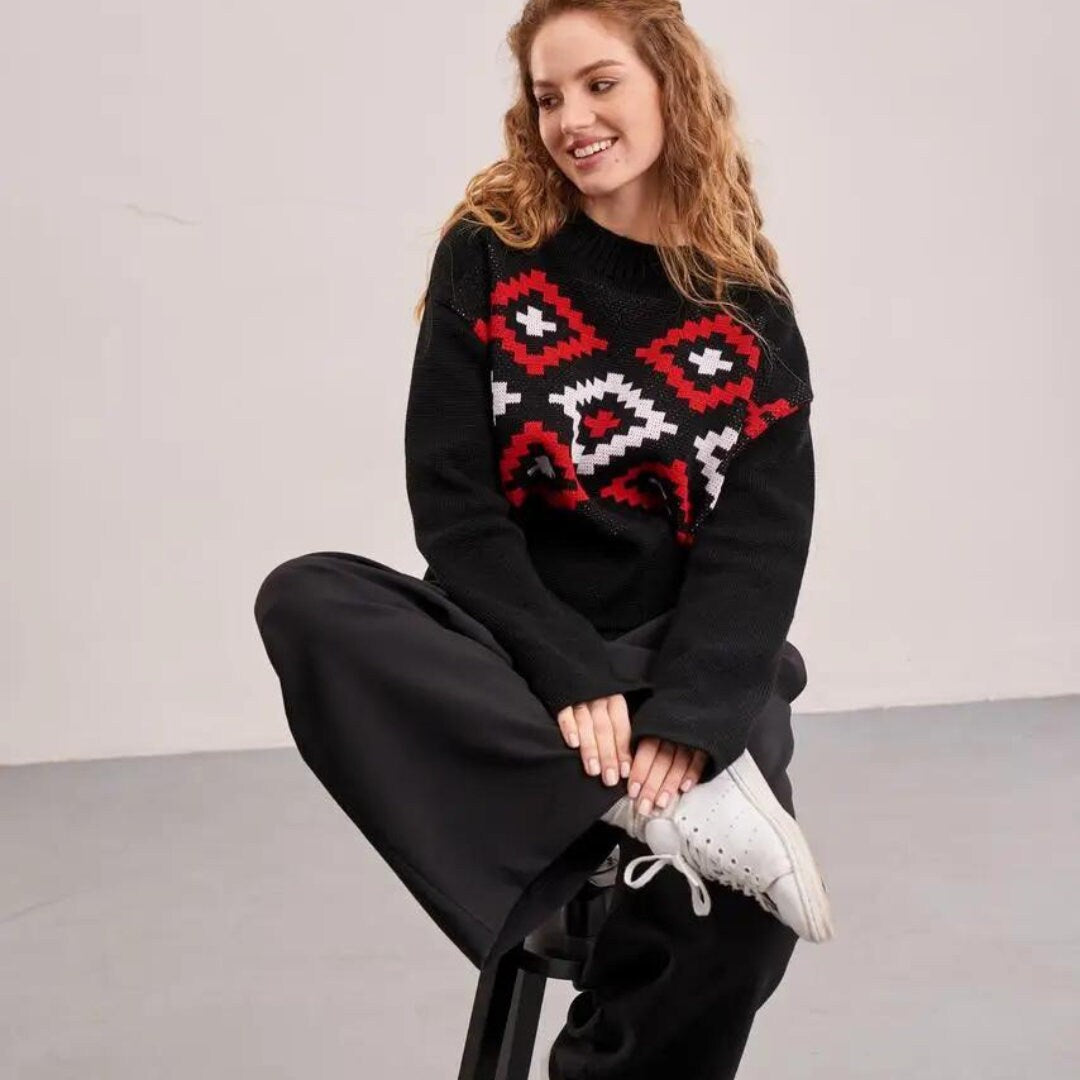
column 705, row 172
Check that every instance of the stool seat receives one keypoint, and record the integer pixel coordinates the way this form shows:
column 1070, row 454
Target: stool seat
column 559, row 947
column 510, row 991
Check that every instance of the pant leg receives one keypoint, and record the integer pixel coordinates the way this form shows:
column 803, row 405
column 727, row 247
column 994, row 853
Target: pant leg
column 411, row 715
column 670, row 993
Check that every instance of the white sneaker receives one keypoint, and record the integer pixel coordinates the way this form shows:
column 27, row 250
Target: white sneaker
column 733, row 830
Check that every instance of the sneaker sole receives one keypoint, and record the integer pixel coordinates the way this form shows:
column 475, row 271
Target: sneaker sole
column 808, row 879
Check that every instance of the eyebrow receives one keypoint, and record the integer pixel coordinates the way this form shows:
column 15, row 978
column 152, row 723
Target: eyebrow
column 584, row 71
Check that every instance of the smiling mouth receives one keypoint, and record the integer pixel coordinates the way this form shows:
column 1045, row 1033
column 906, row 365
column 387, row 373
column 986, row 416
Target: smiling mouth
column 588, row 157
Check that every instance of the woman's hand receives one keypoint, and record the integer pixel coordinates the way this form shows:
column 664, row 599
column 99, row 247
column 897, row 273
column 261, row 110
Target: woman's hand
column 659, row 769
column 601, row 730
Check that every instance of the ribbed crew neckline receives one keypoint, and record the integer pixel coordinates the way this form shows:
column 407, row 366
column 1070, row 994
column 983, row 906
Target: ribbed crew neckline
column 609, row 254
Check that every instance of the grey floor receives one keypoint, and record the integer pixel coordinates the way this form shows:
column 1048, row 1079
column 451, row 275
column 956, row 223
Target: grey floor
column 216, row 916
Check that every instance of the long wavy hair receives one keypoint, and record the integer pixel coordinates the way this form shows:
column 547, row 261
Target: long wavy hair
column 705, row 172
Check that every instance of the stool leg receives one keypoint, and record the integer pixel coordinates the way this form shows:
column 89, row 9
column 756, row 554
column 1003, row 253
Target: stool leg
column 488, row 1022
column 524, row 1020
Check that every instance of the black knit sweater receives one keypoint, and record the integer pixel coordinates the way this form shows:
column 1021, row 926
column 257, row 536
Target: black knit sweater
column 585, row 450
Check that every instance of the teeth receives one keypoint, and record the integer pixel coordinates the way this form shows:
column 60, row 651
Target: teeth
column 596, row 147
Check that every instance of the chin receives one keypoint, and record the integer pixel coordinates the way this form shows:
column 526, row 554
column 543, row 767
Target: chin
column 588, row 186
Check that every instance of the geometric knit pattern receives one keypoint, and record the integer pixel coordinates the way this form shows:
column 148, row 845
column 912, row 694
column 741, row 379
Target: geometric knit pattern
column 574, row 424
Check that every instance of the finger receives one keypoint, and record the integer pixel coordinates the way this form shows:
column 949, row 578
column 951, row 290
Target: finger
column 620, row 721
column 669, row 786
column 639, row 767
column 605, row 741
column 650, row 786
column 568, row 726
column 693, row 773
column 590, row 755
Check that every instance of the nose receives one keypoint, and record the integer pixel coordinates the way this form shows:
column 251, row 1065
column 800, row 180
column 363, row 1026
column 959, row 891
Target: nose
column 577, row 118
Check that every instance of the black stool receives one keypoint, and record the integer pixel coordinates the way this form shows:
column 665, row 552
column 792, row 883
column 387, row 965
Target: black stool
column 506, row 1009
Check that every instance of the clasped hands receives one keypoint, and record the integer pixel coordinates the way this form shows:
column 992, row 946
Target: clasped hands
column 655, row 772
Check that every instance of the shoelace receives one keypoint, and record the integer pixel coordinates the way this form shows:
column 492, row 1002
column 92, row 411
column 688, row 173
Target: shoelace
column 699, row 895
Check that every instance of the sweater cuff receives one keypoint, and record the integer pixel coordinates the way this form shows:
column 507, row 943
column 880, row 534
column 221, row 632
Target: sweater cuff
column 558, row 689
column 667, row 716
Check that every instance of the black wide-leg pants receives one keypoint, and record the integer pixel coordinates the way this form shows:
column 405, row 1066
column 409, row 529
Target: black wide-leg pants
column 414, row 719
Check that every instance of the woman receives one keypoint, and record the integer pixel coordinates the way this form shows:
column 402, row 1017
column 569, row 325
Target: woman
column 596, row 652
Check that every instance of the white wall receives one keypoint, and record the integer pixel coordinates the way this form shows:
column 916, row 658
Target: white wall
column 215, row 220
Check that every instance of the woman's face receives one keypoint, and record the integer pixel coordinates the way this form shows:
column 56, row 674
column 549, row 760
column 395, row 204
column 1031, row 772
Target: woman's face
column 619, row 99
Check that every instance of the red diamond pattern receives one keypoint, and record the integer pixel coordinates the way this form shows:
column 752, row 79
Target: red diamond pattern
column 521, row 459
column 716, row 331
column 581, row 340
column 711, row 363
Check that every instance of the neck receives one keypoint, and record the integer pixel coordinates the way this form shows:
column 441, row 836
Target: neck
column 631, row 211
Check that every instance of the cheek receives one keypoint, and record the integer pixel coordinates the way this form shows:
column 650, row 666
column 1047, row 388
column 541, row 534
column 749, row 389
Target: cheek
column 550, row 135
column 646, row 124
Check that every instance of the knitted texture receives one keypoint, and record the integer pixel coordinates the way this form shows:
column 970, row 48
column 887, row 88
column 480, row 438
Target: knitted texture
column 585, row 450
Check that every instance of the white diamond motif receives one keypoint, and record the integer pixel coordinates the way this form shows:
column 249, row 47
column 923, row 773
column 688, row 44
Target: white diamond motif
column 573, row 400
column 711, row 461
column 501, row 397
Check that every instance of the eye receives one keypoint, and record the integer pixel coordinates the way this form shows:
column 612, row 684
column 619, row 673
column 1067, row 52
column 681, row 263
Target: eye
column 607, row 83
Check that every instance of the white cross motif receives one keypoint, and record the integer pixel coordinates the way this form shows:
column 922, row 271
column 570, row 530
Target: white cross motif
column 709, row 362
column 534, row 322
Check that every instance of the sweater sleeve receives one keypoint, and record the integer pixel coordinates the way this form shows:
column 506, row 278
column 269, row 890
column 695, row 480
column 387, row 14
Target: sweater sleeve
column 719, row 660
column 461, row 517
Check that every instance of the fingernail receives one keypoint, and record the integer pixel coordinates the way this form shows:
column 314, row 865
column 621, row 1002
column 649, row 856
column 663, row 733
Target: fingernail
column 635, row 787
column 594, row 766
column 646, row 806
column 574, row 740
column 624, row 769
column 662, row 801
column 610, row 777
column 685, row 785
